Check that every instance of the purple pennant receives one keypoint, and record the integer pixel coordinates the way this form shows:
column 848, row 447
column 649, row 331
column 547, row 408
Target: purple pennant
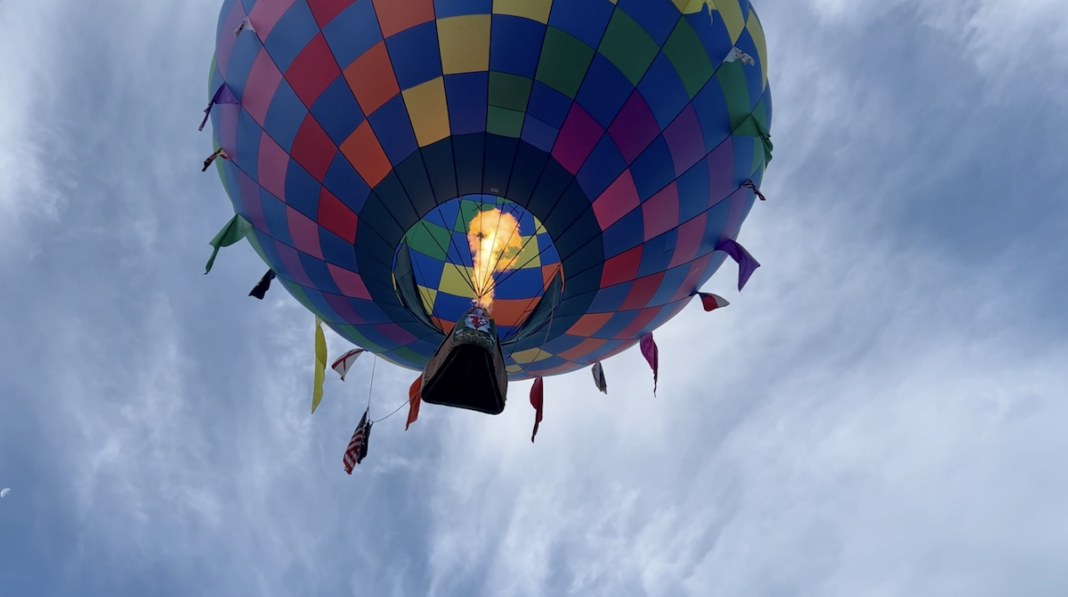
column 652, row 355
column 222, row 96
column 746, row 263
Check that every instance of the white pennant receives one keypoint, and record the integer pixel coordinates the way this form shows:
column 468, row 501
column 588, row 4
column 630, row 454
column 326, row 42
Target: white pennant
column 343, row 364
column 245, row 25
column 737, row 54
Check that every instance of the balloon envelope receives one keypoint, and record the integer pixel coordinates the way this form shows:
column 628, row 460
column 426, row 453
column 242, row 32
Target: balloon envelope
column 368, row 134
column 4, row 492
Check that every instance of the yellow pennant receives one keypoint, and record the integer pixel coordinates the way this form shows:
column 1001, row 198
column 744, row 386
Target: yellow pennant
column 320, row 364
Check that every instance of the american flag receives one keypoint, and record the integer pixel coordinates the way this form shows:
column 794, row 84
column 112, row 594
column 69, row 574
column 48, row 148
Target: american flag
column 357, row 449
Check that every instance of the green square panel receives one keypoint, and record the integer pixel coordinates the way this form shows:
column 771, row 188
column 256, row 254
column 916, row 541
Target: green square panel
column 509, row 91
column 760, row 112
column 564, row 62
column 504, row 122
column 628, row 47
column 430, row 240
column 686, row 53
column 731, row 79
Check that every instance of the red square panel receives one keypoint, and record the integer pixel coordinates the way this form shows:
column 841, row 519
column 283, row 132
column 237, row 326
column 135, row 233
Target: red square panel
column 325, row 11
column 661, row 212
column 313, row 149
column 262, row 82
column 689, row 242
column 266, row 14
column 305, row 233
column 616, row 201
column 350, row 283
column 643, row 291
column 336, row 217
column 621, row 268
column 312, row 71
column 644, row 318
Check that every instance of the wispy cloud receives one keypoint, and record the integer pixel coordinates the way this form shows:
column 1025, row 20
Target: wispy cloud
column 876, row 414
column 27, row 189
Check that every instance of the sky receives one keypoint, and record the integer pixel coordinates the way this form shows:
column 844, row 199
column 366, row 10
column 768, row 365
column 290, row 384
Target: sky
column 879, row 413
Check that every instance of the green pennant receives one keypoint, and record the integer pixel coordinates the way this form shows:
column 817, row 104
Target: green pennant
column 235, row 230
column 752, row 127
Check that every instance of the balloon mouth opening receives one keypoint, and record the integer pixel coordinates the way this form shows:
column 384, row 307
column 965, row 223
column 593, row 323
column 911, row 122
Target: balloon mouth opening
column 475, row 251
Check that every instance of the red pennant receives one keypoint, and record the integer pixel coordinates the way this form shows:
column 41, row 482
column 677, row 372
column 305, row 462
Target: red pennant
column 711, row 302
column 415, row 398
column 652, row 355
column 537, row 399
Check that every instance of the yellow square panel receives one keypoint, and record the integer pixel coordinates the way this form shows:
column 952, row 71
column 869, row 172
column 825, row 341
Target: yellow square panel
column 428, row 296
column 530, row 256
column 464, row 43
column 428, row 111
column 689, row 7
column 455, row 281
column 530, row 356
column 731, row 13
column 535, row 10
column 757, row 33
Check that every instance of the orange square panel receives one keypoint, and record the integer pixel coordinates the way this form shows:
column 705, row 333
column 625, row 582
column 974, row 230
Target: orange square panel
column 371, row 78
column 395, row 16
column 589, row 324
column 366, row 155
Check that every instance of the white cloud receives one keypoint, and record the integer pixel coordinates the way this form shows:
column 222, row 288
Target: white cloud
column 866, row 418
column 27, row 188
column 1022, row 47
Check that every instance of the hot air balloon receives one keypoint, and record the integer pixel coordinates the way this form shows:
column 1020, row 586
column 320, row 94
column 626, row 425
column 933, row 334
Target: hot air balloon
column 574, row 170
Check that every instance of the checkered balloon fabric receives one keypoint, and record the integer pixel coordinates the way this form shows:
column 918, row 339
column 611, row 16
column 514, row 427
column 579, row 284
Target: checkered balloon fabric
column 626, row 138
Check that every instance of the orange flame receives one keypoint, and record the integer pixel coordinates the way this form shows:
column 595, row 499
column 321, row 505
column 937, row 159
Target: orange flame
column 495, row 245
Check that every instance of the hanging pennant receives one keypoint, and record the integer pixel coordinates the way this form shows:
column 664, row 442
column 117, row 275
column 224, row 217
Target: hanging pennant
column 652, row 356
column 343, row 364
column 415, row 397
column 263, row 285
column 537, row 400
column 357, row 449
column 752, row 127
column 752, row 186
column 219, row 153
column 598, row 378
column 746, row 263
column 736, row 54
column 320, row 364
column 711, row 302
column 246, row 25
column 234, row 230
column 223, row 95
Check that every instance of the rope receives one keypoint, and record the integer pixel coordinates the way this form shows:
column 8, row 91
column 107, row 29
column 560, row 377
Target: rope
column 403, row 404
column 372, row 384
